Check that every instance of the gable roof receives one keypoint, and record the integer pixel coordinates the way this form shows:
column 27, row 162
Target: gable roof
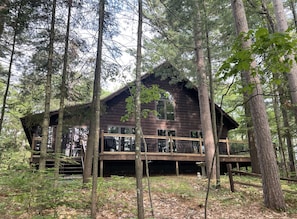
column 170, row 72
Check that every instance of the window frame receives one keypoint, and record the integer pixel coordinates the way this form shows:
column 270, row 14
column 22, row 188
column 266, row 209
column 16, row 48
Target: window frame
column 167, row 101
column 197, row 145
column 123, row 143
column 163, row 144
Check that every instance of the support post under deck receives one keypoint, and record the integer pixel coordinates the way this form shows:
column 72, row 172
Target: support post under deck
column 101, row 168
column 177, row 168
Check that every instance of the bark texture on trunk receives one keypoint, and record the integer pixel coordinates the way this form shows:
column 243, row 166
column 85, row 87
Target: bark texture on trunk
column 48, row 87
column 204, row 104
column 59, row 132
column 292, row 6
column 5, row 96
column 253, row 148
column 282, row 26
column 138, row 161
column 272, row 192
column 96, row 110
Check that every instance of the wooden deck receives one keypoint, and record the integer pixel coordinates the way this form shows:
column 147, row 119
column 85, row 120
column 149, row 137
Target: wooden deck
column 170, row 157
column 107, row 159
column 112, row 156
column 178, row 158
column 116, row 156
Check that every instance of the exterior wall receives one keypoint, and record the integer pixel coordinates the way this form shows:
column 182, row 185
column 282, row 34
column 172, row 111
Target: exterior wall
column 187, row 118
column 187, row 115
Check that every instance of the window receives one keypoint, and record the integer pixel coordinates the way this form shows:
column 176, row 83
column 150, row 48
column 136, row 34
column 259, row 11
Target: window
column 74, row 140
column 165, row 107
column 164, row 144
column 196, row 144
column 50, row 141
column 123, row 143
column 113, row 129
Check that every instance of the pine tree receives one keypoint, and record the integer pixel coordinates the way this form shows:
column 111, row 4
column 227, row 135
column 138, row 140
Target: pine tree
column 62, row 96
column 17, row 19
column 138, row 161
column 205, row 113
column 282, row 26
column 48, row 91
column 273, row 196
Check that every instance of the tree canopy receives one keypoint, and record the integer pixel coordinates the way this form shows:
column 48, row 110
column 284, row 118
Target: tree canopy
column 199, row 38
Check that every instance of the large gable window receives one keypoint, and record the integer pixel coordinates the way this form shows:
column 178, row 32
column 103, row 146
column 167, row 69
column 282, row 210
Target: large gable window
column 165, row 107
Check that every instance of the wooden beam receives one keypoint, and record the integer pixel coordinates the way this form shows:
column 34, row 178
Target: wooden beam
column 229, row 168
column 101, row 168
column 177, row 168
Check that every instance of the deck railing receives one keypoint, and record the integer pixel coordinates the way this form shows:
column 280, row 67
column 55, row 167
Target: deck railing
column 174, row 144
column 154, row 143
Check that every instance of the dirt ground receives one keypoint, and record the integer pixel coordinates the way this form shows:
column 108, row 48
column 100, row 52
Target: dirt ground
column 173, row 197
column 177, row 207
column 174, row 200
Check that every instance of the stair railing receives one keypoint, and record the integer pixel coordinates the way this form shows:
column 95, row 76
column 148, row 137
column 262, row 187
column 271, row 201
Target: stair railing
column 82, row 156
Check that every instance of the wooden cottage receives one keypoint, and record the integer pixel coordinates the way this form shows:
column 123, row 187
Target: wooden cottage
column 172, row 134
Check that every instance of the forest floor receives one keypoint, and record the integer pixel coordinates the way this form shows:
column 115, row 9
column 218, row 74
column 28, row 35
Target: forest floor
column 172, row 197
column 184, row 197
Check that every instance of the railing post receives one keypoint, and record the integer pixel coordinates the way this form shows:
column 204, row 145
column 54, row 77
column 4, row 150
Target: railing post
column 228, row 147
column 101, row 167
column 102, row 141
column 33, row 146
column 229, row 168
column 82, row 159
column 102, row 151
column 171, row 144
column 200, row 145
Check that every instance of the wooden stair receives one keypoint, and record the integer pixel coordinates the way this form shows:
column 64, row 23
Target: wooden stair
column 71, row 168
column 68, row 168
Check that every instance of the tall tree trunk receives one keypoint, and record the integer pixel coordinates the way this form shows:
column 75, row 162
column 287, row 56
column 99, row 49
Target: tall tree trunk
column 282, row 95
column 292, row 6
column 271, row 27
column 266, row 14
column 272, row 192
column 249, row 123
column 279, row 135
column 4, row 7
column 287, row 128
column 216, row 132
column 282, row 26
column 204, row 105
column 95, row 133
column 88, row 159
column 250, row 133
column 138, row 161
column 252, row 144
column 5, row 96
column 93, row 139
column 46, row 116
column 62, row 96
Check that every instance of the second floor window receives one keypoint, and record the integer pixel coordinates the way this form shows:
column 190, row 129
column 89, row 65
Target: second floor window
column 165, row 107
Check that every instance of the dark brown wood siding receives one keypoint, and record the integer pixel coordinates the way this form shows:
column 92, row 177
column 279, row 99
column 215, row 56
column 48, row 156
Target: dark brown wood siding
column 187, row 115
